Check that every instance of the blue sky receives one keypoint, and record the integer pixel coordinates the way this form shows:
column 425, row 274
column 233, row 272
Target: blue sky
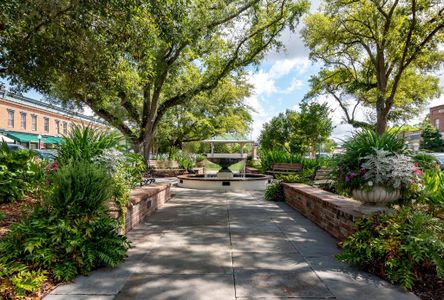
column 281, row 81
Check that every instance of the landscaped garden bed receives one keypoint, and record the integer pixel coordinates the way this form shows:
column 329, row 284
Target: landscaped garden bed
column 400, row 239
column 65, row 228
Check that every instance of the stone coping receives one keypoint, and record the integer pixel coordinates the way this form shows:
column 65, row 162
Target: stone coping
column 144, row 201
column 147, row 191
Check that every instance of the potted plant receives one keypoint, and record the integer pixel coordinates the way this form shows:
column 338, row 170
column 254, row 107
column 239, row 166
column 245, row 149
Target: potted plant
column 382, row 176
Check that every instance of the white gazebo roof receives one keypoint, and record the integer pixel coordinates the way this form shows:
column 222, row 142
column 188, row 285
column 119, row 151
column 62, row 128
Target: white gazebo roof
column 229, row 138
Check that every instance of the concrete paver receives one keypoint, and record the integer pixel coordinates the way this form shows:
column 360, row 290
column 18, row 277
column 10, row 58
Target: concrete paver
column 225, row 245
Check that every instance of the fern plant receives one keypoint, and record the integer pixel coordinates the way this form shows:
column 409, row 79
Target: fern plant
column 274, row 192
column 70, row 234
column 397, row 246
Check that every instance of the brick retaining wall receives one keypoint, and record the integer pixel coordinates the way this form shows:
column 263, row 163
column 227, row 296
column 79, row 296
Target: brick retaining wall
column 144, row 202
column 333, row 213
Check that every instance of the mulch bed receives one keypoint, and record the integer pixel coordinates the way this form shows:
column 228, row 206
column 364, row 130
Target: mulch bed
column 11, row 213
column 427, row 287
column 430, row 287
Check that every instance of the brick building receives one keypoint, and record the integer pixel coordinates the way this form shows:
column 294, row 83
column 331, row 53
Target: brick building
column 27, row 121
column 437, row 118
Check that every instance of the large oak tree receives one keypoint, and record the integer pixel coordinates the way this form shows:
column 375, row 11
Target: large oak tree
column 379, row 54
column 131, row 61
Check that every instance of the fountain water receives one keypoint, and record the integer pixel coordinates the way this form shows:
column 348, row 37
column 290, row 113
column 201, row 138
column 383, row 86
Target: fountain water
column 225, row 179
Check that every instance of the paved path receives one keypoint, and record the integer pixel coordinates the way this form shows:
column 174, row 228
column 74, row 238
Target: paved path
column 223, row 245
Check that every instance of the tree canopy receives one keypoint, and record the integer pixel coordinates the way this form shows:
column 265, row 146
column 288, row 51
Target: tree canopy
column 431, row 139
column 131, row 61
column 379, row 54
column 298, row 132
column 220, row 111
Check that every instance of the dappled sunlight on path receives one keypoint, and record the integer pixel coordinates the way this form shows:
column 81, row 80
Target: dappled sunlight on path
column 225, row 245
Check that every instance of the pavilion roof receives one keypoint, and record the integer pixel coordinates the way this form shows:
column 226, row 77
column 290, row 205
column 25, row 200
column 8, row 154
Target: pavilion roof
column 229, row 138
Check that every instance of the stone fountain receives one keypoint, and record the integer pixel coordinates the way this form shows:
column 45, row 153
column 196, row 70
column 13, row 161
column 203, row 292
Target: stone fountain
column 225, row 179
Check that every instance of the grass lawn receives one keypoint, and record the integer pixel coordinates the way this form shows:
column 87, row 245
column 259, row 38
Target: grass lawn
column 214, row 168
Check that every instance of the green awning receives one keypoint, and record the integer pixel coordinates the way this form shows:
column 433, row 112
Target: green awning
column 23, row 137
column 52, row 140
column 33, row 138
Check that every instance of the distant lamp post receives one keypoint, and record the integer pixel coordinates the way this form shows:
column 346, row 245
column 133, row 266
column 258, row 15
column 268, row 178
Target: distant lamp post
column 40, row 140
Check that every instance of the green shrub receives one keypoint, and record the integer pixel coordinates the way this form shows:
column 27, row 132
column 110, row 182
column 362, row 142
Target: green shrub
column 17, row 279
column 274, row 192
column 85, row 143
column 19, row 173
column 433, row 192
column 305, row 176
column 80, row 188
column 426, row 161
column 70, row 234
column 397, row 246
column 270, row 157
column 135, row 166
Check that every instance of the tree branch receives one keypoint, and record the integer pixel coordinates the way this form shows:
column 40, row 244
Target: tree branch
column 212, row 82
column 130, row 108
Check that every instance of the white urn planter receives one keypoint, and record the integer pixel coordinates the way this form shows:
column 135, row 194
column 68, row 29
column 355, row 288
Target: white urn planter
column 377, row 195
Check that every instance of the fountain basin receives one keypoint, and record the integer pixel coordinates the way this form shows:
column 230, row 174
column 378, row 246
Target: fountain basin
column 249, row 182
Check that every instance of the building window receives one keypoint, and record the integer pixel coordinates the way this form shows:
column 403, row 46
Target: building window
column 46, row 124
column 65, row 128
column 71, row 127
column 57, row 123
column 23, row 120
column 34, row 122
column 10, row 118
column 437, row 124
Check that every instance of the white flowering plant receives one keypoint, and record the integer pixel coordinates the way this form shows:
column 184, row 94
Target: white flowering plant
column 390, row 170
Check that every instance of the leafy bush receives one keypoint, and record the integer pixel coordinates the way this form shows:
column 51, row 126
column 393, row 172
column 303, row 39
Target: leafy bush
column 135, row 166
column 80, row 188
column 17, row 279
column 433, row 191
column 398, row 246
column 70, row 234
column 426, row 161
column 85, row 143
column 19, row 173
column 274, row 192
column 304, row 176
column 186, row 161
column 270, row 157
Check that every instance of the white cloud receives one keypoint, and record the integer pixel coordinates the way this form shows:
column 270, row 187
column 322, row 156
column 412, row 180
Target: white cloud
column 294, row 85
column 262, row 83
column 284, row 66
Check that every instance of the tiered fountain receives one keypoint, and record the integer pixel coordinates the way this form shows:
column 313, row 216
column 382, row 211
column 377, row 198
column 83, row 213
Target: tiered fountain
column 225, row 179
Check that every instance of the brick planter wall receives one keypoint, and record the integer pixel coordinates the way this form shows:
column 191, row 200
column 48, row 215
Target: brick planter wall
column 333, row 213
column 144, row 202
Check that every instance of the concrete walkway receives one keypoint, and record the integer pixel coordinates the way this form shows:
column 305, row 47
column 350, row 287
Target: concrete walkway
column 223, row 245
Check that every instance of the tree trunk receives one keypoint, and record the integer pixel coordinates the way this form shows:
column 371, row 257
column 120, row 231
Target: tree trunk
column 147, row 143
column 381, row 116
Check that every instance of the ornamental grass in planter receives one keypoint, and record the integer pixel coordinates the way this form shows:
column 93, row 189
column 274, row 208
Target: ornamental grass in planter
column 375, row 168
